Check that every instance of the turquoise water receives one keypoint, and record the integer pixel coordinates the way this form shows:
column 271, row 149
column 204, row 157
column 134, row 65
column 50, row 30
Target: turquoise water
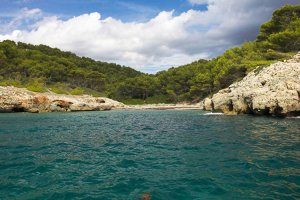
column 169, row 154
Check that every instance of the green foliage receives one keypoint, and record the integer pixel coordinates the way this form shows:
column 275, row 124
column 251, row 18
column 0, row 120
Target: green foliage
column 150, row 100
column 177, row 82
column 11, row 83
column 286, row 41
column 77, row 91
column 41, row 68
column 283, row 31
column 59, row 88
column 141, row 87
column 36, row 85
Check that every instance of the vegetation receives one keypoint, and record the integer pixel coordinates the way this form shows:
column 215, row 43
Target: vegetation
column 41, row 68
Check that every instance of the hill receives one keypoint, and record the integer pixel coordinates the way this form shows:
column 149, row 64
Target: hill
column 41, row 68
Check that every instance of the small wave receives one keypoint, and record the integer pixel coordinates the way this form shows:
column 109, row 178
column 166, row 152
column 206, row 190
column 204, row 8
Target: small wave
column 213, row 113
column 297, row 117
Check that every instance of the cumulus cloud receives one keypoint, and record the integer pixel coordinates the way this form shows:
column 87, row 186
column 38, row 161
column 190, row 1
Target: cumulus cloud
column 159, row 43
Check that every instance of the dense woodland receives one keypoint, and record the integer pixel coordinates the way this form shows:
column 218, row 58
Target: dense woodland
column 41, row 68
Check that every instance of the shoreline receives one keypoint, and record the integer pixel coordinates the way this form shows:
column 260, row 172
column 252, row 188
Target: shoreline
column 161, row 107
column 13, row 99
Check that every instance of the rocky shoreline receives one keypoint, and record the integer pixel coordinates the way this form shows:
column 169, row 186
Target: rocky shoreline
column 14, row 99
column 272, row 90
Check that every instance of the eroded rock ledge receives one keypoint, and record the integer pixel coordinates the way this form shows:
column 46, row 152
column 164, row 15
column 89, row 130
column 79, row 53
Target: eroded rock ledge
column 14, row 99
column 273, row 90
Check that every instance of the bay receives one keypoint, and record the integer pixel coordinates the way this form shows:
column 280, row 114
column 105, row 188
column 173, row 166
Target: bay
column 168, row 154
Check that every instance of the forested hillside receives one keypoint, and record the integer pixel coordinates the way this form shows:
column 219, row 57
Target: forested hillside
column 236, row 62
column 41, row 68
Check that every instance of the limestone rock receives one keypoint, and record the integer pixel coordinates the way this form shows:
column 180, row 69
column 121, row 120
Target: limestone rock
column 207, row 104
column 273, row 90
column 14, row 99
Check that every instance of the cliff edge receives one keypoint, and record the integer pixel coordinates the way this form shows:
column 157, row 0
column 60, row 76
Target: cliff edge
column 272, row 90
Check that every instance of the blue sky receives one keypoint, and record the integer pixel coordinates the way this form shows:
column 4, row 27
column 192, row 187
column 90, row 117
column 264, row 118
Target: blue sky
column 148, row 35
column 125, row 10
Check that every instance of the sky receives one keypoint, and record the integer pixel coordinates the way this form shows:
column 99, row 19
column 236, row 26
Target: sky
column 148, row 35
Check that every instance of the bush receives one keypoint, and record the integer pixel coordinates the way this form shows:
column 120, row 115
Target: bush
column 36, row 85
column 77, row 91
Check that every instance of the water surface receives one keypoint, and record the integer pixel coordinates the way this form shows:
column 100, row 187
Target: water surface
column 169, row 154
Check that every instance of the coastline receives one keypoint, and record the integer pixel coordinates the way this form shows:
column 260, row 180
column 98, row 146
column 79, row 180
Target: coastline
column 271, row 90
column 160, row 107
column 14, row 99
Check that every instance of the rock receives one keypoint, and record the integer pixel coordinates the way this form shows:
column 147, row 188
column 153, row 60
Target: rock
column 14, row 99
column 33, row 110
column 100, row 101
column 208, row 104
column 201, row 105
column 274, row 90
column 62, row 104
column 40, row 99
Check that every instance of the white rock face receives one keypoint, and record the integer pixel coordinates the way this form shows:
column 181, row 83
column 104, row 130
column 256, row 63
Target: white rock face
column 271, row 90
column 14, row 99
column 207, row 104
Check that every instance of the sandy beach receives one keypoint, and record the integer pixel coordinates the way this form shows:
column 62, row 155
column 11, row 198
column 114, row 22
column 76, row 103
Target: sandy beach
column 161, row 107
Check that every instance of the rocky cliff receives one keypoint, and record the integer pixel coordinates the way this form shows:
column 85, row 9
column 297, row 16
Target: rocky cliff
column 14, row 99
column 272, row 90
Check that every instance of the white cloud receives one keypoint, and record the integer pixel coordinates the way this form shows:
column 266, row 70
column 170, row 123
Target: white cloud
column 161, row 42
column 22, row 19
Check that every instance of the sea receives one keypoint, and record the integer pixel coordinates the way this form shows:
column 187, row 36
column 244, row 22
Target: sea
column 148, row 154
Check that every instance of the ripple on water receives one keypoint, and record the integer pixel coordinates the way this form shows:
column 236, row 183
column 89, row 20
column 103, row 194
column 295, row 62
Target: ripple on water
column 167, row 154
